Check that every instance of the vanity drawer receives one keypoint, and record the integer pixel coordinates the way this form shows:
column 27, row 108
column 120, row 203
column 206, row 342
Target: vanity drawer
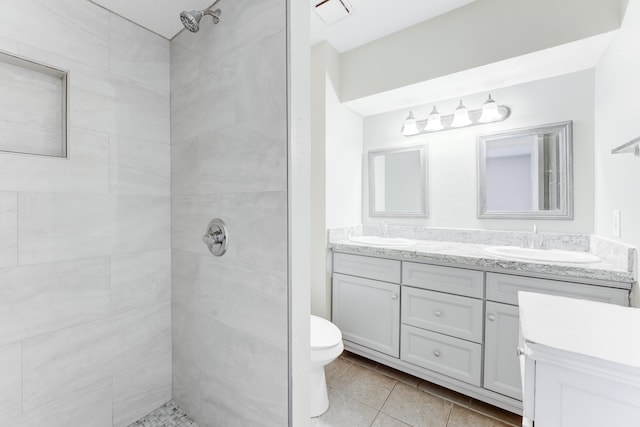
column 504, row 288
column 449, row 356
column 453, row 315
column 446, row 279
column 387, row 270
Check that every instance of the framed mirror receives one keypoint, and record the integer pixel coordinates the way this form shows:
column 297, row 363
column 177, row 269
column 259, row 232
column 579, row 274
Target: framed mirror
column 398, row 182
column 526, row 173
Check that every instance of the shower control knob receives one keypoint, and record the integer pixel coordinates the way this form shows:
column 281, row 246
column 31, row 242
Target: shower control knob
column 216, row 237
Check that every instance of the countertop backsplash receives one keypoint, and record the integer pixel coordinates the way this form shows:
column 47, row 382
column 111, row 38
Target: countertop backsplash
column 617, row 253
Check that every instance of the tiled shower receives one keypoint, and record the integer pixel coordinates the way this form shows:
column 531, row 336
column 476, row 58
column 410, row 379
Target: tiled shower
column 110, row 304
column 229, row 160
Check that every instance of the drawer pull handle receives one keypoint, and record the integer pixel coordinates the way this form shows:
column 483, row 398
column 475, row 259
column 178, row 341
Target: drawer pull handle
column 436, row 353
column 438, row 313
column 394, row 297
column 491, row 317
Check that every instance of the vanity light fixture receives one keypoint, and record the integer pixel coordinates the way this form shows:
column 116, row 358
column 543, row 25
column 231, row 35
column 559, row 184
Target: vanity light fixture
column 461, row 117
column 410, row 126
column 434, row 122
column 491, row 112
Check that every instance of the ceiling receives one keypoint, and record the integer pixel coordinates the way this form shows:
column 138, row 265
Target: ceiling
column 373, row 19
column 160, row 16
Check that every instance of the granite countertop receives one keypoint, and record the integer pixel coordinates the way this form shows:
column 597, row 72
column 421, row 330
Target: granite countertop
column 473, row 255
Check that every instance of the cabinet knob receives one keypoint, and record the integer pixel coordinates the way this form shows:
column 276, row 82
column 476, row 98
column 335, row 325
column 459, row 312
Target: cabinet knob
column 437, row 313
column 436, row 353
column 394, row 296
column 491, row 317
column 519, row 351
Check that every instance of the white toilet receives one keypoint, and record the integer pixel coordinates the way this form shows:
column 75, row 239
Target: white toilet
column 326, row 346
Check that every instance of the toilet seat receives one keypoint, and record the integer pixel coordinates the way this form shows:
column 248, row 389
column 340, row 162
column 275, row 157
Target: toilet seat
column 323, row 334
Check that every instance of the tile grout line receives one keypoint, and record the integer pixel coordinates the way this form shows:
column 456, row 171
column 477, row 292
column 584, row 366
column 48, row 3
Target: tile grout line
column 449, row 414
column 21, row 378
column 383, row 403
column 372, row 370
column 17, row 228
column 375, row 418
column 335, row 380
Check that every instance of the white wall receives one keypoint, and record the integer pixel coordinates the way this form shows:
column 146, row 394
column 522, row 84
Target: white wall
column 336, row 153
column 452, row 154
column 299, row 167
column 617, row 103
column 318, row 220
column 343, row 146
column 480, row 33
column 85, row 320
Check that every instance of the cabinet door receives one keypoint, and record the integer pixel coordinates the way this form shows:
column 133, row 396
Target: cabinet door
column 368, row 312
column 572, row 395
column 501, row 362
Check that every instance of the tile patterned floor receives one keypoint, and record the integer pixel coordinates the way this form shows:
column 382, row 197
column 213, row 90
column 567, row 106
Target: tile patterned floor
column 168, row 415
column 365, row 393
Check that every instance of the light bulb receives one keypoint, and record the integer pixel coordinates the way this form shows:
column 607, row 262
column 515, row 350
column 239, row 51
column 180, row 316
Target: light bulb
column 461, row 117
column 490, row 112
column 410, row 126
column 434, row 123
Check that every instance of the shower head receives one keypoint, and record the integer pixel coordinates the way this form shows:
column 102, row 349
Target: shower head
column 191, row 20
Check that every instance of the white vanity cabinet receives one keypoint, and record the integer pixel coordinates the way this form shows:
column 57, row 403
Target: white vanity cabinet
column 442, row 320
column 367, row 311
column 581, row 366
column 456, row 327
column 501, row 362
column 441, row 325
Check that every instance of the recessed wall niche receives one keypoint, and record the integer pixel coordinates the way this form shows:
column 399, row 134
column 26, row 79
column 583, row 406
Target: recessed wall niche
column 33, row 107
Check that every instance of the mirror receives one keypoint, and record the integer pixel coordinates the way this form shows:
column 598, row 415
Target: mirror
column 526, row 173
column 398, row 182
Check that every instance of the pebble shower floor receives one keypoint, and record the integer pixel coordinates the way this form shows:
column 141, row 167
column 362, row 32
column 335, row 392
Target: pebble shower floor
column 168, row 415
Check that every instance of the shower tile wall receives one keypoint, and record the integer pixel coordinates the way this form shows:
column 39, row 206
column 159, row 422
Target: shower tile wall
column 85, row 320
column 229, row 160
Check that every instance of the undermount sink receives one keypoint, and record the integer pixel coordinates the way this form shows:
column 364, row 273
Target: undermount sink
column 550, row 255
column 396, row 242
